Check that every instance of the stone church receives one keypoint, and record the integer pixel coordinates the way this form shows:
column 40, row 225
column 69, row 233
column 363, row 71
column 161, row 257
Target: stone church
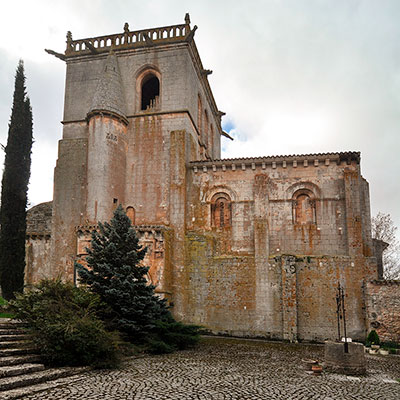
column 245, row 246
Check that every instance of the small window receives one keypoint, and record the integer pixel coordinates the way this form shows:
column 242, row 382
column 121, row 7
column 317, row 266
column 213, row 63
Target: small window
column 221, row 211
column 130, row 212
column 150, row 92
column 304, row 207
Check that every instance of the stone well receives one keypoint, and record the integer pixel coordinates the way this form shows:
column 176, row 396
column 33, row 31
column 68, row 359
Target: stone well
column 351, row 363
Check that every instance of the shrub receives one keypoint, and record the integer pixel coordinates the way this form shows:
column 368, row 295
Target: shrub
column 390, row 345
column 372, row 338
column 4, row 311
column 158, row 347
column 169, row 335
column 64, row 326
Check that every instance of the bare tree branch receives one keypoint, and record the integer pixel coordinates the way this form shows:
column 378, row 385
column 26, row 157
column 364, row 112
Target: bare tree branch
column 384, row 229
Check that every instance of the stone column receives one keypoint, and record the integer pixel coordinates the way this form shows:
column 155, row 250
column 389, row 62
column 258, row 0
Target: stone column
column 267, row 289
column 353, row 212
column 177, row 199
column 289, row 298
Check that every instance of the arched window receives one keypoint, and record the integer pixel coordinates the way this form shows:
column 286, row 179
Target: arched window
column 130, row 212
column 150, row 92
column 221, row 211
column 304, row 207
column 199, row 115
column 211, row 141
column 206, row 128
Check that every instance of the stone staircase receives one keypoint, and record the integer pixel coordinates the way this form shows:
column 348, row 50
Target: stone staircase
column 21, row 371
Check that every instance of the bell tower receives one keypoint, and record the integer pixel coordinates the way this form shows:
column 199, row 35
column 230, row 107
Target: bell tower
column 138, row 108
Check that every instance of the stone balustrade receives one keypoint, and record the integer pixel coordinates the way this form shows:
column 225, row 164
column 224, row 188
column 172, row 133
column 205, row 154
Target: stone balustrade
column 127, row 39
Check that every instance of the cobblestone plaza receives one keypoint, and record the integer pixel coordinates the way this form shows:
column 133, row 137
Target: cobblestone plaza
column 221, row 368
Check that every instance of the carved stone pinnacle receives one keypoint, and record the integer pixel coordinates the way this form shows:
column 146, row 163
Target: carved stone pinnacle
column 187, row 19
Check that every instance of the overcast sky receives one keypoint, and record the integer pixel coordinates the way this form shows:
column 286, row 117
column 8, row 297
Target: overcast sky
column 293, row 76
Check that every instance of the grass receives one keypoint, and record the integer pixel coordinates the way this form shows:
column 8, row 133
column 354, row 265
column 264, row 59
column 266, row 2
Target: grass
column 4, row 314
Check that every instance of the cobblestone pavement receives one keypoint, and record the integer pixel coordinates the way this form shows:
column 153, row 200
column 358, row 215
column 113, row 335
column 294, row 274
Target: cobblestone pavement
column 232, row 369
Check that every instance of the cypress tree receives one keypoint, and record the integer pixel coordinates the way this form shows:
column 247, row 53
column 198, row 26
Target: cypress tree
column 114, row 273
column 14, row 189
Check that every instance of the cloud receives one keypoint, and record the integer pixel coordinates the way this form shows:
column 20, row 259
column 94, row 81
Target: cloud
column 294, row 76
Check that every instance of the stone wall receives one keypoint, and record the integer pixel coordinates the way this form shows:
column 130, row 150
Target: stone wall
column 383, row 309
column 37, row 253
column 287, row 297
column 269, row 239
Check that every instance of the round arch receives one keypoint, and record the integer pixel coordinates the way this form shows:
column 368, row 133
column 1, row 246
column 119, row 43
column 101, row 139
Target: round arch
column 148, row 88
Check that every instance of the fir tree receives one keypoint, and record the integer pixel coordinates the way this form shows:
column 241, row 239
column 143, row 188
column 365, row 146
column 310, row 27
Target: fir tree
column 114, row 273
column 14, row 190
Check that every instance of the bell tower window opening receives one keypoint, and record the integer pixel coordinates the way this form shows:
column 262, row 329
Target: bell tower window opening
column 150, row 92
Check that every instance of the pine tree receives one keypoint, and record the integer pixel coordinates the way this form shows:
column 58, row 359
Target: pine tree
column 114, row 273
column 14, row 190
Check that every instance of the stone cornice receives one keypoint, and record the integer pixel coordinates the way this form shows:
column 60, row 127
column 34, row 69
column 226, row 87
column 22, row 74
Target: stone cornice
column 299, row 160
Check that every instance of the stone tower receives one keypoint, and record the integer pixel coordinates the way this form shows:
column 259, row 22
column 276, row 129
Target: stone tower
column 138, row 108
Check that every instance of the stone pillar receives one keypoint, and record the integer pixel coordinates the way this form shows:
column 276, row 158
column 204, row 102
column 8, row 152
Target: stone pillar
column 353, row 212
column 264, row 294
column 177, row 200
column 354, row 275
column 289, row 298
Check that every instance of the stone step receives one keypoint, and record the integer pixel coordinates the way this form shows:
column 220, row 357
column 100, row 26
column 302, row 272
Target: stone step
column 15, row 360
column 16, row 351
column 14, row 337
column 12, row 331
column 37, row 377
column 11, row 324
column 15, row 370
column 15, row 345
column 23, row 392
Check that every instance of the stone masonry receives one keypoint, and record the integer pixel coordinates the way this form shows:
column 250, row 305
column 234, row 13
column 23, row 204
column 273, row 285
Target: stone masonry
column 383, row 309
column 247, row 246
